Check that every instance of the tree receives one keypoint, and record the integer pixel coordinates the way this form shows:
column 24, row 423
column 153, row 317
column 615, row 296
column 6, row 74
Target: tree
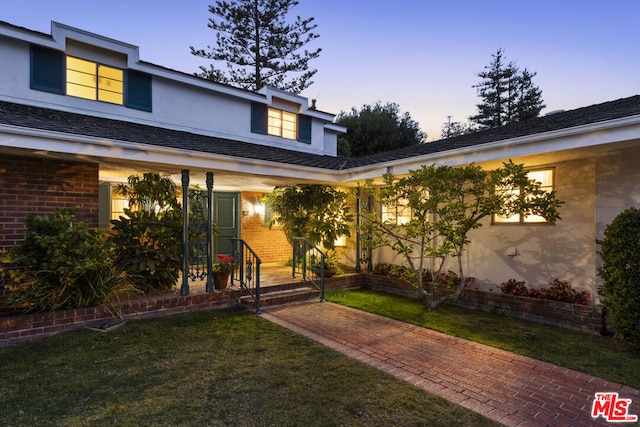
column 620, row 270
column 507, row 94
column 258, row 46
column 377, row 128
column 318, row 212
column 451, row 129
column 446, row 203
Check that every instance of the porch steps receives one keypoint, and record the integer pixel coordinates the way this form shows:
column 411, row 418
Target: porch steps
column 272, row 298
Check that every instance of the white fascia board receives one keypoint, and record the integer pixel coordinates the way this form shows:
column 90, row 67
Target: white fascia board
column 590, row 135
column 335, row 128
column 86, row 148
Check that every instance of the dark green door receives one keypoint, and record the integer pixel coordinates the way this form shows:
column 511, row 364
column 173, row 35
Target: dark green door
column 227, row 219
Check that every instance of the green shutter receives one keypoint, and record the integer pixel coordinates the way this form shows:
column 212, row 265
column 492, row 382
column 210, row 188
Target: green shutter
column 104, row 205
column 138, row 91
column 47, row 70
column 259, row 119
column 304, row 129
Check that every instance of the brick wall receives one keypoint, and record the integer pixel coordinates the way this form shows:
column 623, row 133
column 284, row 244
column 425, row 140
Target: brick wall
column 30, row 185
column 270, row 244
column 29, row 327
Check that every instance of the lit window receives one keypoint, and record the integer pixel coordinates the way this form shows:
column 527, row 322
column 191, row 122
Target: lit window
column 86, row 79
column 545, row 178
column 396, row 213
column 282, row 123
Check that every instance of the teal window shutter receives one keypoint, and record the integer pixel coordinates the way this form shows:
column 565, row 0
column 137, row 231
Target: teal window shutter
column 259, row 118
column 304, row 129
column 47, row 70
column 138, row 90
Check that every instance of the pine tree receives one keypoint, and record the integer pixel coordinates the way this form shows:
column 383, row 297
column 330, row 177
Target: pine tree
column 507, row 94
column 530, row 102
column 260, row 48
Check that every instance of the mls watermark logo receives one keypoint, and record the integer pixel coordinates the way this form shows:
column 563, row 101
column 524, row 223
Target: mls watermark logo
column 613, row 409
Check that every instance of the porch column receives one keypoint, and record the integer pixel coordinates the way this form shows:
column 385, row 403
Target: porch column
column 185, row 233
column 209, row 286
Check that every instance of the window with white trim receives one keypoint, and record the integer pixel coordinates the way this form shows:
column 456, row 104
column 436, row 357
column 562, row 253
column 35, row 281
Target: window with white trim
column 545, row 177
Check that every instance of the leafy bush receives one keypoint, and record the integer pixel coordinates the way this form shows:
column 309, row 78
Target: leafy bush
column 148, row 247
column 620, row 270
column 63, row 264
column 559, row 290
column 148, row 241
column 449, row 279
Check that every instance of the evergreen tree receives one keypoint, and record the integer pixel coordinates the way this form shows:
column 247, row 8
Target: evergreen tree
column 377, row 128
column 507, row 94
column 260, row 48
column 530, row 102
column 451, row 129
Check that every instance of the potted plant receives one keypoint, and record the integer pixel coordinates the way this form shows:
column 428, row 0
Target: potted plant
column 222, row 268
column 330, row 265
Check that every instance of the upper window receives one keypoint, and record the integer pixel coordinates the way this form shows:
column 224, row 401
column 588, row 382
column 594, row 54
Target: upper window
column 271, row 121
column 544, row 177
column 53, row 71
column 282, row 123
column 86, row 79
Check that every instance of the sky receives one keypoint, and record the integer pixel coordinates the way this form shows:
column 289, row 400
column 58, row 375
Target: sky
column 423, row 55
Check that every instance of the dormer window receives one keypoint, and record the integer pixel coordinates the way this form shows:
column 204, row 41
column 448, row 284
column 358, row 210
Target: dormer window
column 53, row 71
column 272, row 121
column 86, row 79
column 282, row 123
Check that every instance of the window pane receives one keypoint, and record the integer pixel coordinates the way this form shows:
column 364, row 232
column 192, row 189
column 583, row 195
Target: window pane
column 80, row 78
column 544, row 177
column 288, row 125
column 507, row 220
column 274, row 122
column 113, row 97
column 81, row 65
column 81, row 91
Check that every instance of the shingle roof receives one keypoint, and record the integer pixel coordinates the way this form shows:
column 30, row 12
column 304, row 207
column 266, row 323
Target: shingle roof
column 79, row 124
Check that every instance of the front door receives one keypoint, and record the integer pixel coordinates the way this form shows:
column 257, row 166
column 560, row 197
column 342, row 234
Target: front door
column 227, row 220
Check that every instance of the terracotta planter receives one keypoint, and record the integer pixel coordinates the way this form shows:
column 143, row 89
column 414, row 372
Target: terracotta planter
column 221, row 280
column 328, row 272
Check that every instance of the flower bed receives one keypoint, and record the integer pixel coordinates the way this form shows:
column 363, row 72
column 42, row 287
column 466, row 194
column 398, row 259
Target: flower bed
column 573, row 316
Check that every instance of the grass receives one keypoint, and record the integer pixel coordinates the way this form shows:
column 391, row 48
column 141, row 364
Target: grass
column 596, row 355
column 214, row 368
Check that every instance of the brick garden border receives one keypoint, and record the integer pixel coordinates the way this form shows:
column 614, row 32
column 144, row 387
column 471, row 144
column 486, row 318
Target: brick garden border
column 32, row 326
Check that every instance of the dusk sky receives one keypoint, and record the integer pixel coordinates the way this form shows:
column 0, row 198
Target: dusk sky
column 423, row 55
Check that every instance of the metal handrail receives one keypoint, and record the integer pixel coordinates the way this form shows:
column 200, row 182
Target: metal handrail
column 248, row 273
column 309, row 261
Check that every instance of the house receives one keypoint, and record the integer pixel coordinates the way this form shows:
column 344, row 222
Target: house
column 80, row 112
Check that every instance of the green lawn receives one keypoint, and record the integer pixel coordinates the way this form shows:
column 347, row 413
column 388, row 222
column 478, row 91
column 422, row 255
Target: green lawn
column 593, row 354
column 214, row 368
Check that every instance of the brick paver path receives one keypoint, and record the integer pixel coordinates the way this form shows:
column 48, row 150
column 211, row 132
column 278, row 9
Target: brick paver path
column 512, row 389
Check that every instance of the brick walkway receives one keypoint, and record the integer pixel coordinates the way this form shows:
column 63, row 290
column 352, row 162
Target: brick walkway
column 512, row 389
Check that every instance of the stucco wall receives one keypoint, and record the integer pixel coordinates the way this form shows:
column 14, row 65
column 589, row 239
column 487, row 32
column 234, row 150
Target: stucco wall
column 544, row 252
column 176, row 104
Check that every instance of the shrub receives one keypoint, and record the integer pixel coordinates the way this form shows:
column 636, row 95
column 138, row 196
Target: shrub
column 63, row 264
column 514, row 287
column 620, row 270
column 148, row 247
column 148, row 241
column 449, row 279
column 559, row 290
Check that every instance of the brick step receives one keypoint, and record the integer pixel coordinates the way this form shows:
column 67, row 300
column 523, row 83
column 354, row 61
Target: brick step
column 287, row 296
